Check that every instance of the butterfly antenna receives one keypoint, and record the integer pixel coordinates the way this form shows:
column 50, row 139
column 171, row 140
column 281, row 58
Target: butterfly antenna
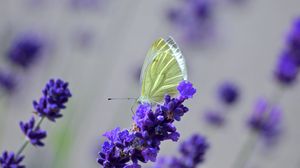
column 127, row 98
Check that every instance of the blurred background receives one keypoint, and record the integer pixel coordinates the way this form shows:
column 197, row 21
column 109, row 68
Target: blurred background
column 98, row 46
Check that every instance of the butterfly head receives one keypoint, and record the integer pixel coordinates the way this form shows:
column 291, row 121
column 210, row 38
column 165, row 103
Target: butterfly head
column 146, row 100
column 142, row 100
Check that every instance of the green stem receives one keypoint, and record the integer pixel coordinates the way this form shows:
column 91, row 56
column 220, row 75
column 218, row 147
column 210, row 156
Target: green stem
column 21, row 149
column 2, row 113
column 246, row 152
column 39, row 123
column 277, row 95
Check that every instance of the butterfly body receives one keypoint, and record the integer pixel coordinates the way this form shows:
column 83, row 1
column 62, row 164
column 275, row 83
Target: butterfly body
column 163, row 69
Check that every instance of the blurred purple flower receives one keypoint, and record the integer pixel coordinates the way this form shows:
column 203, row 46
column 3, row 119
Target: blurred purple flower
column 293, row 48
column 193, row 18
column 214, row 118
column 25, row 50
column 10, row 160
column 8, row 81
column 228, row 93
column 294, row 39
column 192, row 152
column 286, row 71
column 265, row 119
column 288, row 63
column 150, row 128
column 200, row 10
column 33, row 133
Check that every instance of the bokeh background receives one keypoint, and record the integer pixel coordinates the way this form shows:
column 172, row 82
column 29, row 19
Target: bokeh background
column 98, row 46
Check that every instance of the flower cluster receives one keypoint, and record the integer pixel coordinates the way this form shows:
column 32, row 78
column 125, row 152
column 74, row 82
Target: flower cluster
column 193, row 18
column 286, row 70
column 55, row 95
column 294, row 41
column 215, row 118
column 150, row 128
column 228, row 94
column 7, row 81
column 25, row 50
column 288, row 63
column 33, row 133
column 265, row 119
column 10, row 160
column 192, row 152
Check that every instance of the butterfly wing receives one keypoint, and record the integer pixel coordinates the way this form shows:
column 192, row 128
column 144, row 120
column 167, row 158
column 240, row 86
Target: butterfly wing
column 157, row 47
column 178, row 55
column 163, row 69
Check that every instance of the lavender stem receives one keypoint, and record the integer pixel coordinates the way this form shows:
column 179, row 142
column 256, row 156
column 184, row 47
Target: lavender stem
column 21, row 149
column 246, row 152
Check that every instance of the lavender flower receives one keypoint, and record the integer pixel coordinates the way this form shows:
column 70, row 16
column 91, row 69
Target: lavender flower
column 214, row 118
column 193, row 17
column 286, row 71
column 200, row 9
column 7, row 81
column 150, row 128
column 265, row 119
column 115, row 152
column 33, row 133
column 25, row 50
column 289, row 62
column 294, row 41
column 186, row 89
column 10, row 160
column 228, row 93
column 55, row 95
column 192, row 152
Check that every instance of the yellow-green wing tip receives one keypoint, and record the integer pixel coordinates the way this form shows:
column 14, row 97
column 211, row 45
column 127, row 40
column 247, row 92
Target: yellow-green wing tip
column 157, row 46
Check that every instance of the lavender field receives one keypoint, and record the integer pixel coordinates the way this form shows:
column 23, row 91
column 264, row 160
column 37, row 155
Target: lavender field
column 242, row 93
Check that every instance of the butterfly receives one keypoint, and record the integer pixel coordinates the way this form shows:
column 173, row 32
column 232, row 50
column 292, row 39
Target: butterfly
column 164, row 67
